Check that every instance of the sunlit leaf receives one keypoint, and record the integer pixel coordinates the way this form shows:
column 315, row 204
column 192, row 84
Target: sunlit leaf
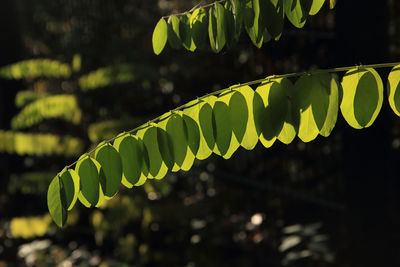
column 296, row 12
column 132, row 155
column 362, row 97
column 206, row 125
column 292, row 119
column 393, row 88
column 317, row 99
column 111, row 165
column 174, row 37
column 273, row 17
column 186, row 33
column 56, row 201
column 316, row 6
column 198, row 24
column 177, row 132
column 89, row 178
column 250, row 137
column 160, row 36
column 253, row 23
column 222, row 127
column 71, row 186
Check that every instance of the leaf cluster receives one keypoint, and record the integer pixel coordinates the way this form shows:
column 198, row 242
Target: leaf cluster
column 220, row 123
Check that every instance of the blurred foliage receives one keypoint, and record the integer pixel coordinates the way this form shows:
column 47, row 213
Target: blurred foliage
column 107, row 76
column 59, row 106
column 29, row 227
column 35, row 68
column 39, row 144
column 25, row 97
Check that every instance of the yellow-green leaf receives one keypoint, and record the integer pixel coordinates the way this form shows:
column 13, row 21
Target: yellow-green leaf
column 56, row 201
column 362, row 97
column 160, row 36
column 174, row 37
column 111, row 166
column 89, row 178
column 222, row 127
column 393, row 87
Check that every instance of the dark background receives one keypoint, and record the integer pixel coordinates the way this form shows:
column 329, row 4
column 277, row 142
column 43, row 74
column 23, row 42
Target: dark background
column 331, row 202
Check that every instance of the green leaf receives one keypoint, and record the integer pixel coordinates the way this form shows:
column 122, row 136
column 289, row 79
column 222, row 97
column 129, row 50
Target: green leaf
column 174, row 37
column 239, row 115
column 250, row 138
column 393, row 88
column 262, row 117
column 186, row 33
column 216, row 27
column 222, row 127
column 111, row 166
column 192, row 111
column 198, row 24
column 160, row 36
column 89, row 178
column 230, row 31
column 362, row 97
column 253, row 23
column 296, row 12
column 333, row 107
column 166, row 148
column 316, row 6
column 332, row 4
column 206, row 125
column 178, row 135
column 273, row 17
column 131, row 156
column 317, row 98
column 151, row 143
column 221, row 26
column 292, row 119
column 56, row 201
column 275, row 111
column 70, row 180
column 238, row 10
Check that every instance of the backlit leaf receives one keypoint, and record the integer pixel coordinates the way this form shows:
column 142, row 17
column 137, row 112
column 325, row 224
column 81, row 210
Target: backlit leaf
column 178, row 135
column 111, row 165
column 222, row 126
column 56, row 201
column 186, row 33
column 131, row 154
column 316, row 6
column 393, row 88
column 160, row 36
column 71, row 183
column 198, row 24
column 252, row 22
column 274, row 16
column 174, row 37
column 362, row 97
column 89, row 178
column 296, row 12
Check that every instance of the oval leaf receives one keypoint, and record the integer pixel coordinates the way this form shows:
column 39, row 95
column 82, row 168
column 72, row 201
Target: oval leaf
column 160, row 36
column 132, row 158
column 56, row 201
column 71, row 183
column 177, row 132
column 362, row 97
column 393, row 88
column 89, row 178
column 174, row 37
column 222, row 126
column 111, row 165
